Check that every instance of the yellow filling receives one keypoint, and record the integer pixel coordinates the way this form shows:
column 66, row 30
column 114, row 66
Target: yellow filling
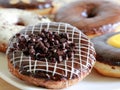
column 114, row 41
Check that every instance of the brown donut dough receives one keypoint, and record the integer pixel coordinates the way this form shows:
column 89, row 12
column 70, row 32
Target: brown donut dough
column 93, row 17
column 107, row 70
column 107, row 56
column 50, row 71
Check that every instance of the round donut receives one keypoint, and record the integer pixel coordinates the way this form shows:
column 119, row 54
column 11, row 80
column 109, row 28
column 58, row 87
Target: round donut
column 107, row 55
column 13, row 20
column 20, row 17
column 52, row 55
column 93, row 17
column 37, row 6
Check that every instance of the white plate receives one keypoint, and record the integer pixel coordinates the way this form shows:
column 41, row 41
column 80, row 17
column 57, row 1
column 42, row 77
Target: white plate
column 93, row 82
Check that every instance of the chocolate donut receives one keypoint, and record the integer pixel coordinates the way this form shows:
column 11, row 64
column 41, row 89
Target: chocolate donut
column 108, row 56
column 52, row 55
column 93, row 17
column 38, row 6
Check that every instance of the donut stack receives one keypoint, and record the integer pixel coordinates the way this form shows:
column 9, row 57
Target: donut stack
column 58, row 54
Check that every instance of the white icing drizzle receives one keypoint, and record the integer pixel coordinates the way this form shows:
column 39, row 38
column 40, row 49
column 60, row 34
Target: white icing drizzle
column 72, row 71
column 33, row 29
column 74, row 35
column 55, row 66
column 46, row 65
column 65, row 68
column 35, row 66
column 65, row 28
column 21, row 59
column 48, row 27
column 88, row 53
column 29, row 63
column 80, row 54
column 59, row 28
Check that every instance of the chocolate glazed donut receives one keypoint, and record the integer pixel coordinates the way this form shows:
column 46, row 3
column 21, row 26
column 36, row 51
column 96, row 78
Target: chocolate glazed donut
column 93, row 17
column 108, row 57
column 38, row 6
column 52, row 55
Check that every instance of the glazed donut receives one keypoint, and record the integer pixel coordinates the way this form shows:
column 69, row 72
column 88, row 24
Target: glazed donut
column 38, row 6
column 108, row 49
column 12, row 20
column 20, row 17
column 52, row 55
column 7, row 31
column 93, row 17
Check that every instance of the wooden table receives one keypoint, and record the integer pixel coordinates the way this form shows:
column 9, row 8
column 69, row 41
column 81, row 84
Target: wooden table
column 6, row 86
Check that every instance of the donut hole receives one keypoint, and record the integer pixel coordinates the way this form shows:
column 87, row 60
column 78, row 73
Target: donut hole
column 91, row 14
column 20, row 23
column 91, row 11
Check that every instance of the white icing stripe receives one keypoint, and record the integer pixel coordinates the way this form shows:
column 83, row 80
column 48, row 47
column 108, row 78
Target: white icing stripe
column 29, row 63
column 33, row 29
column 48, row 27
column 79, row 48
column 68, row 65
column 72, row 70
column 65, row 28
column 59, row 28
column 21, row 59
column 54, row 71
column 35, row 66
column 65, row 68
column 46, row 65
column 88, row 54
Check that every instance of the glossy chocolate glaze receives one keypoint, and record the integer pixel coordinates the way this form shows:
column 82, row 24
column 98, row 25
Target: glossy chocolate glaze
column 106, row 53
column 33, row 4
column 91, row 17
column 81, row 62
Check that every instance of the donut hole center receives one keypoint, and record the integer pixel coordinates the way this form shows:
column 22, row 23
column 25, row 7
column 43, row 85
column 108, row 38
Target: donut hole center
column 91, row 14
column 90, row 11
column 20, row 23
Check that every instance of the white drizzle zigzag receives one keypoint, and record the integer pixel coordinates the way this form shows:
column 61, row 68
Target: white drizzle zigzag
column 76, row 58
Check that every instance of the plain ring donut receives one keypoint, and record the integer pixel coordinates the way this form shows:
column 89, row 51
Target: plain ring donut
column 13, row 20
column 108, row 58
column 52, row 55
column 93, row 17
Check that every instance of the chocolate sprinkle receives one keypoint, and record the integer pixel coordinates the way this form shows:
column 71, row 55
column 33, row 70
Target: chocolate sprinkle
column 45, row 45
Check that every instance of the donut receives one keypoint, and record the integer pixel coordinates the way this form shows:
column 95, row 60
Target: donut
column 12, row 21
column 52, row 55
column 93, row 17
column 107, row 54
column 38, row 6
column 20, row 17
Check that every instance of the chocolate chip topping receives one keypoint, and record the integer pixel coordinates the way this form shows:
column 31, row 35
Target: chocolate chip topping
column 45, row 45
